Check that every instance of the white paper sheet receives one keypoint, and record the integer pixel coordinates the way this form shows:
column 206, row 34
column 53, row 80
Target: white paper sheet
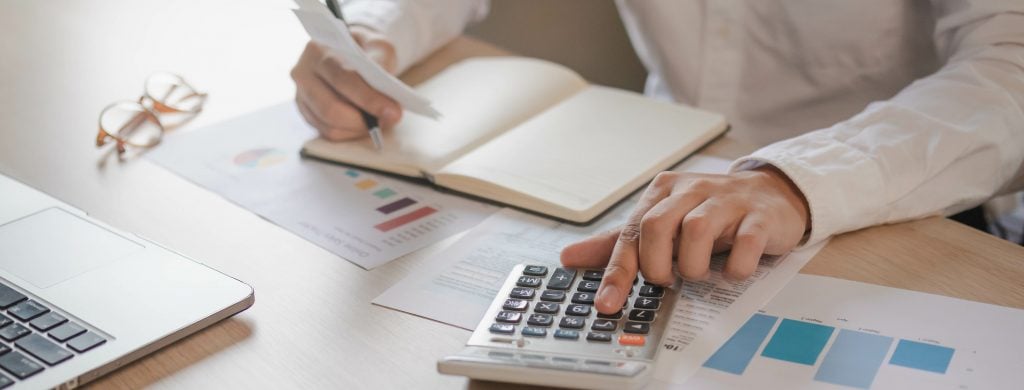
column 368, row 219
column 326, row 29
column 841, row 334
column 456, row 285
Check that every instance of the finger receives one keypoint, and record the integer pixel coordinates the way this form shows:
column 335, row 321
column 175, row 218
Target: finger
column 658, row 231
column 331, row 109
column 352, row 86
column 591, row 252
column 329, row 133
column 622, row 265
column 748, row 245
column 701, row 227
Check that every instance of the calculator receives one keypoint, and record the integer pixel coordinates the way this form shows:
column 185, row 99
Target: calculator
column 543, row 329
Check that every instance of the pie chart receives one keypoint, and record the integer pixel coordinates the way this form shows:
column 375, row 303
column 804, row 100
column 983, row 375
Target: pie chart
column 260, row 158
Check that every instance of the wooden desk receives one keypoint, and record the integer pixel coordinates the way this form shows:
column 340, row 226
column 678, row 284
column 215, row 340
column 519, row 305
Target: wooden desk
column 312, row 324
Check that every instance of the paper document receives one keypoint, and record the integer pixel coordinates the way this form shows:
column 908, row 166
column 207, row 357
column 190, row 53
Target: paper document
column 328, row 30
column 368, row 219
column 457, row 284
column 828, row 333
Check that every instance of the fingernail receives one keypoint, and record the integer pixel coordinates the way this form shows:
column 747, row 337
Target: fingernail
column 389, row 115
column 608, row 295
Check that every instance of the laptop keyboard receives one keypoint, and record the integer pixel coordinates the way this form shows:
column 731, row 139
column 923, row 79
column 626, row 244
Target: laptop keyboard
column 33, row 337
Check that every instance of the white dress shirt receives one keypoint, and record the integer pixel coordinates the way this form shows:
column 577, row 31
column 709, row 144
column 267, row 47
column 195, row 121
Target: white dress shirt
column 880, row 110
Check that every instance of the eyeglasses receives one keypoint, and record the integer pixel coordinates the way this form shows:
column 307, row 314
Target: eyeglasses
column 137, row 123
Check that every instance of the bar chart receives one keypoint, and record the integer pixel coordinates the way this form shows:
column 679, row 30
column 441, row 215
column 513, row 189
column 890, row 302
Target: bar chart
column 826, row 333
column 853, row 359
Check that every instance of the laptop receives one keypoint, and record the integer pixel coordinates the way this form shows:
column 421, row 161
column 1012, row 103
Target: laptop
column 79, row 299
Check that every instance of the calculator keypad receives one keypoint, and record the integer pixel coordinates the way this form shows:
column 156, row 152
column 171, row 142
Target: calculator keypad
column 555, row 306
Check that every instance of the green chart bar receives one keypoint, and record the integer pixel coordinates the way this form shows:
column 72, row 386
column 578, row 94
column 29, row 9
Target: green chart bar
column 854, row 359
column 798, row 342
column 734, row 356
column 927, row 357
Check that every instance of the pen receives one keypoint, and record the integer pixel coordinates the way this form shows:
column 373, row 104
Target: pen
column 368, row 119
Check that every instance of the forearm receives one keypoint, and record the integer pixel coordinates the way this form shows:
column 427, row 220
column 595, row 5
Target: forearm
column 942, row 145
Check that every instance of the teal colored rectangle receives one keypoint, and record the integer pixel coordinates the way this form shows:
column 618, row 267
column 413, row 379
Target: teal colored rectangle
column 798, row 342
column 927, row 357
column 384, row 193
column 854, row 359
column 734, row 356
column 352, row 173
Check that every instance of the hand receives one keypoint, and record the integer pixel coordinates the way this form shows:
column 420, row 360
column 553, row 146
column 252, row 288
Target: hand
column 327, row 93
column 687, row 217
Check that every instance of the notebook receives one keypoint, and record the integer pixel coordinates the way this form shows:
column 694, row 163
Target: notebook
column 533, row 135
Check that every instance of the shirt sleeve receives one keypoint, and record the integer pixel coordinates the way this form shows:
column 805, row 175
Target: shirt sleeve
column 415, row 27
column 943, row 144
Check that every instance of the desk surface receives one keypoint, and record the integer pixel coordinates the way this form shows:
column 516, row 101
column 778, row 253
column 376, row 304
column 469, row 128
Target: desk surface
column 312, row 324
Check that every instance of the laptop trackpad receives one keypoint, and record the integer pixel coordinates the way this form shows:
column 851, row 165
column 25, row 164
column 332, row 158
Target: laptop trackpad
column 52, row 246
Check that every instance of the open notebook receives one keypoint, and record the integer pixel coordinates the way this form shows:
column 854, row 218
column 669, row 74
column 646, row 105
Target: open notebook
column 534, row 135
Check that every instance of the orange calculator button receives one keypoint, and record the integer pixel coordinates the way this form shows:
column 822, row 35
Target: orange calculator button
column 631, row 339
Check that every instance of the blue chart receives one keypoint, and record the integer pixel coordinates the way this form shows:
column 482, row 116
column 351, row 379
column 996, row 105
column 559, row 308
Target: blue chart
column 853, row 358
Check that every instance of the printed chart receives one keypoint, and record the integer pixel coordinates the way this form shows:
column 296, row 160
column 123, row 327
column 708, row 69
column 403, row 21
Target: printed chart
column 368, row 219
column 829, row 333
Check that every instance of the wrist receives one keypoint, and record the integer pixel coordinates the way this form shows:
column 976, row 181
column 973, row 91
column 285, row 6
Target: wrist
column 789, row 191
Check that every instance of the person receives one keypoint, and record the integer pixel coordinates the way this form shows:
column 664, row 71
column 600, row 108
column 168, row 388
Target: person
column 870, row 112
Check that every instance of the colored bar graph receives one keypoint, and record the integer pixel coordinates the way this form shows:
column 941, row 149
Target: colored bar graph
column 352, row 173
column 798, row 342
column 921, row 356
column 384, row 193
column 366, row 184
column 396, row 205
column 405, row 219
column 734, row 356
column 854, row 359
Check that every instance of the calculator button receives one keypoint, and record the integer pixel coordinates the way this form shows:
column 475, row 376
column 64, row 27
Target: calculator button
column 598, row 336
column 515, row 304
column 593, row 275
column 587, row 286
column 567, row 334
column 572, row 323
column 604, row 325
column 528, row 281
column 577, row 310
column 652, row 291
column 13, row 332
column 19, row 365
column 631, row 339
column 636, row 327
column 509, row 317
column 48, row 321
column 641, row 315
column 561, row 279
column 534, row 332
column 28, row 310
column 522, row 293
column 503, row 328
column 585, row 298
column 552, row 296
column 535, row 270
column 540, row 319
column 647, row 303
column 613, row 316
column 546, row 308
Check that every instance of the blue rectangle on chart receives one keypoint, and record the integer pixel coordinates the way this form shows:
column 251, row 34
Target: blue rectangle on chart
column 927, row 357
column 798, row 342
column 854, row 359
column 734, row 356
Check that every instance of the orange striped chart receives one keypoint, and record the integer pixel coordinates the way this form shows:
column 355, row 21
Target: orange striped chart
column 405, row 219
